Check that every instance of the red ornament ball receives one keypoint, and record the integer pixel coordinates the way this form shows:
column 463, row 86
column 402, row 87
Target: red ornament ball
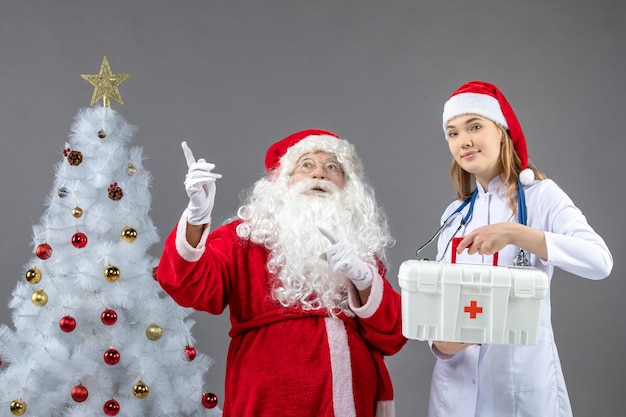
column 108, row 317
column 111, row 408
column 67, row 324
column 111, row 356
column 209, row 400
column 190, row 352
column 43, row 251
column 79, row 393
column 79, row 240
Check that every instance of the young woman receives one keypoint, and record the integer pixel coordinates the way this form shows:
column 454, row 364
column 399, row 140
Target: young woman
column 514, row 210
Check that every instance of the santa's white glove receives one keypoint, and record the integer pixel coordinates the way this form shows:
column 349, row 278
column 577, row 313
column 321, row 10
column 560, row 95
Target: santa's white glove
column 342, row 257
column 200, row 187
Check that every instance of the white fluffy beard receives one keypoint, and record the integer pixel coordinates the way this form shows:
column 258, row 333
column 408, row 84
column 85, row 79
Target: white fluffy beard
column 286, row 219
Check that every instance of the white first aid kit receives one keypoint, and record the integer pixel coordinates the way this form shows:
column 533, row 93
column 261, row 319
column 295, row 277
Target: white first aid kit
column 471, row 303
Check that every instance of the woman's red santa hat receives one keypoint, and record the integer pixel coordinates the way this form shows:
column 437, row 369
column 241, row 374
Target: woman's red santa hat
column 485, row 99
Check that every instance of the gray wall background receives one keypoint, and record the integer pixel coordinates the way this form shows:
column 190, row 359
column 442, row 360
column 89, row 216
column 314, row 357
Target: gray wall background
column 231, row 77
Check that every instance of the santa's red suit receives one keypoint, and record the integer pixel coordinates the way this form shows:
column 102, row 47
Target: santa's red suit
column 285, row 362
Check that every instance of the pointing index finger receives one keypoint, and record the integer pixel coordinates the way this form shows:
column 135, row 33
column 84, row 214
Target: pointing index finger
column 464, row 242
column 333, row 239
column 188, row 154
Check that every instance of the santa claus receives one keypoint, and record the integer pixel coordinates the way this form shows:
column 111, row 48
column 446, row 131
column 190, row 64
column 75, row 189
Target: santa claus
column 302, row 270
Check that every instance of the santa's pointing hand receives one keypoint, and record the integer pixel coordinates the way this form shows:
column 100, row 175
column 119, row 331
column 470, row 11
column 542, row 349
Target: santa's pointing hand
column 342, row 257
column 200, row 188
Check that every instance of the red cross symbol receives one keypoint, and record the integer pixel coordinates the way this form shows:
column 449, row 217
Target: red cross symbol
column 473, row 309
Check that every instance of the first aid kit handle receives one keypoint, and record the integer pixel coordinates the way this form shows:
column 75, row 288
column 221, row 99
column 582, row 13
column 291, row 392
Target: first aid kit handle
column 455, row 244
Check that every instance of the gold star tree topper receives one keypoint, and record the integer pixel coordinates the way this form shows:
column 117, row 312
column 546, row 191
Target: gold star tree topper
column 105, row 83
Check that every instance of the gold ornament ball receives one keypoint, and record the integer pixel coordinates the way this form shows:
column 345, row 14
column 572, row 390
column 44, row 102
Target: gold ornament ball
column 77, row 212
column 141, row 390
column 131, row 170
column 18, row 407
column 129, row 234
column 112, row 273
column 33, row 275
column 154, row 332
column 39, row 298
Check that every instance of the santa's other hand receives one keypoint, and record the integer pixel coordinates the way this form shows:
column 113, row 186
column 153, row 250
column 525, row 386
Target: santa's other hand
column 342, row 258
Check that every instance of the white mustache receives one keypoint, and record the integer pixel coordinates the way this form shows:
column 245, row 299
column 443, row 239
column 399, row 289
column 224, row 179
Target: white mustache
column 302, row 187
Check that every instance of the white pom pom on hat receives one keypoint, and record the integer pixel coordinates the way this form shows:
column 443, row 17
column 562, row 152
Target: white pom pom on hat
column 527, row 176
column 485, row 99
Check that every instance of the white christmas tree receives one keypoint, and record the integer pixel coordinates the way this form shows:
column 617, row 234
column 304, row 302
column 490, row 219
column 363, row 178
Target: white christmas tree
column 94, row 334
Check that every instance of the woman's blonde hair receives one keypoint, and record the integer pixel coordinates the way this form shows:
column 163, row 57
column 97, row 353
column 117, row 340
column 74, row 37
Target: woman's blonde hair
column 509, row 168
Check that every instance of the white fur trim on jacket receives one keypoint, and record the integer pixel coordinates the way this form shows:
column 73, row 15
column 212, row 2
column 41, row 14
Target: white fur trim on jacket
column 184, row 249
column 374, row 300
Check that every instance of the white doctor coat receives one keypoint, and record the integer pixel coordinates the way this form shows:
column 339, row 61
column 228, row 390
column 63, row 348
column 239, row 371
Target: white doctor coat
column 506, row 380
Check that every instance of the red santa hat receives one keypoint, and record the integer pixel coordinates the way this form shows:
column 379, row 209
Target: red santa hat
column 485, row 99
column 280, row 148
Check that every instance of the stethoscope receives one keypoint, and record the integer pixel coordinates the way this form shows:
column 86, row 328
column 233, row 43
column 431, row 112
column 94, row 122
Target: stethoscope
column 521, row 259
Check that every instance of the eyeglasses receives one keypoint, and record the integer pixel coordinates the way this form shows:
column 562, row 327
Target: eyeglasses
column 331, row 166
